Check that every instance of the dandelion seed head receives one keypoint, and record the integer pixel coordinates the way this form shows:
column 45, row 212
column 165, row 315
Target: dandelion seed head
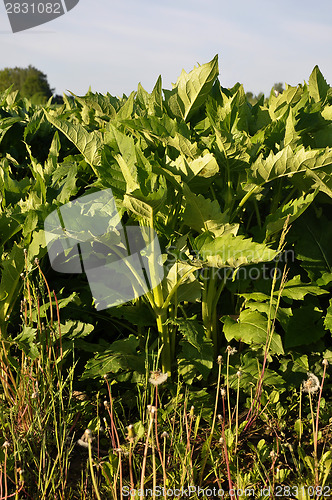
column 151, row 409
column 119, row 450
column 87, row 436
column 131, row 432
column 325, row 362
column 85, row 439
column 223, row 392
column 219, row 359
column 164, row 435
column 311, row 385
column 231, row 350
column 157, row 377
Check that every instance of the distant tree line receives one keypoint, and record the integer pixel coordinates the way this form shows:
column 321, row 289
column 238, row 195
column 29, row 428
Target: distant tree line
column 30, row 82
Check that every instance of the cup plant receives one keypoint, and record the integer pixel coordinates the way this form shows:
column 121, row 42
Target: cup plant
column 215, row 176
column 239, row 196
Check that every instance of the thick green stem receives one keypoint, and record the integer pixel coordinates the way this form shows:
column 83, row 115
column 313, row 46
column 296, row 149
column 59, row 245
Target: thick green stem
column 157, row 302
column 161, row 316
column 209, row 310
column 210, row 297
column 244, row 200
column 176, row 286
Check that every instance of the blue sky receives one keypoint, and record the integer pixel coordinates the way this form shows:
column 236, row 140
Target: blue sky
column 112, row 45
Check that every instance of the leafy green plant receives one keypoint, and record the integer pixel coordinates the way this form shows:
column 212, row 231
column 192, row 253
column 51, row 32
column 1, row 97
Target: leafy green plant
column 219, row 179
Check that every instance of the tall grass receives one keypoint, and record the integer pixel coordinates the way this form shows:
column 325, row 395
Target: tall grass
column 57, row 442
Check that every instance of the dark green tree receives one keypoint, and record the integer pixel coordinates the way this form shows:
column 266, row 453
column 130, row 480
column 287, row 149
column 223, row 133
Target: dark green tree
column 30, row 82
column 253, row 98
column 278, row 87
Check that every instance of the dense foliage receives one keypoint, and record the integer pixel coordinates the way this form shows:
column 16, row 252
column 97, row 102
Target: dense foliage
column 217, row 178
column 240, row 196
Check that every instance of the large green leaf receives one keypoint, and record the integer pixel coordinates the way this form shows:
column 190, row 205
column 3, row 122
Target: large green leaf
column 97, row 106
column 189, row 290
column 312, row 245
column 127, row 107
column 293, row 209
column 203, row 214
column 287, row 163
column 64, row 180
column 232, row 251
column 191, row 89
column 88, row 143
column 11, row 189
column 122, row 356
column 204, row 166
column 53, row 154
column 230, row 113
column 251, row 328
column 154, row 127
column 151, row 103
column 305, row 327
column 135, row 314
column 282, row 314
column 280, row 104
column 296, row 290
column 6, row 124
column 251, row 371
column 9, row 226
column 318, row 88
column 142, row 209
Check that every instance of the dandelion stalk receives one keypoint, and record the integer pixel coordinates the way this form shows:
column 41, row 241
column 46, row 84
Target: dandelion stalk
column 325, row 364
column 157, row 378
column 300, row 417
column 311, row 385
column 230, row 351
column 88, row 434
column 219, row 361
column 131, row 436
column 5, row 446
column 230, row 484
column 152, row 411
column 237, row 410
